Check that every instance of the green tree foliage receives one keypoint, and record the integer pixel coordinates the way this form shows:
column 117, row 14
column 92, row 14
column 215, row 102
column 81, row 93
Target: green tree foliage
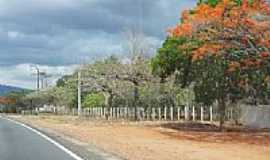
column 94, row 100
column 63, row 81
column 221, row 50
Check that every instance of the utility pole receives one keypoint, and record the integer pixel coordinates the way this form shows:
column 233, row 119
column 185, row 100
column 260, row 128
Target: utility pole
column 141, row 29
column 38, row 77
column 79, row 94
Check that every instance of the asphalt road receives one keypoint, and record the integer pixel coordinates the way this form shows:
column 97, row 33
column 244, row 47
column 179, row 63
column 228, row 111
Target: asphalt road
column 20, row 143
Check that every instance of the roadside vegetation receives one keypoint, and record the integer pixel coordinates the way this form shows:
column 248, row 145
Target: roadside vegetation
column 218, row 54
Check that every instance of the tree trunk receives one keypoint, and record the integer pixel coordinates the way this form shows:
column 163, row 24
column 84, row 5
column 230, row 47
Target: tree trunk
column 222, row 107
column 136, row 98
column 31, row 104
column 108, row 102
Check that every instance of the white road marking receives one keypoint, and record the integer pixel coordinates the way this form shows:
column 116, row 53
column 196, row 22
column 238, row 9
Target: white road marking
column 69, row 152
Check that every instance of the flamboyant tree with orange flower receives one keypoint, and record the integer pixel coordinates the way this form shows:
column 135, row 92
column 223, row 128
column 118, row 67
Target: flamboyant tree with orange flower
column 221, row 48
column 7, row 101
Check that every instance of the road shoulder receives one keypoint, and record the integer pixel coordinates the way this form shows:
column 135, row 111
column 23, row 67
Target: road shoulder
column 84, row 150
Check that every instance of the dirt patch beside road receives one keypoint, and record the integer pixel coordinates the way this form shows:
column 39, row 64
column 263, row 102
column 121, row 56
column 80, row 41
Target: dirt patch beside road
column 154, row 141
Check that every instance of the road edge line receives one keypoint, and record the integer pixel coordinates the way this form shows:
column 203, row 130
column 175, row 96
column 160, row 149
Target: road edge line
column 57, row 144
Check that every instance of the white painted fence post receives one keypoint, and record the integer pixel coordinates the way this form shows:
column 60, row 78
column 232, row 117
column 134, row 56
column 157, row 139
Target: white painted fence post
column 165, row 113
column 171, row 113
column 90, row 112
column 153, row 114
column 101, row 112
column 211, row 114
column 111, row 112
column 159, row 113
column 143, row 113
column 104, row 112
column 116, row 111
column 178, row 113
column 231, row 109
column 147, row 114
column 186, row 113
column 126, row 112
column 202, row 114
column 193, row 113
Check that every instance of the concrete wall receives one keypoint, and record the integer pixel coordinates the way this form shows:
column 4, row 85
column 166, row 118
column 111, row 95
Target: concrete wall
column 255, row 116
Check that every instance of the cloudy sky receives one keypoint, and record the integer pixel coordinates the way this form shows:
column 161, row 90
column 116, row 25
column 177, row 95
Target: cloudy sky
column 58, row 34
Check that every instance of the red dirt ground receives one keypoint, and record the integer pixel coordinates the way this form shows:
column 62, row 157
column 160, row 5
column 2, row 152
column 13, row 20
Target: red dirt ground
column 162, row 141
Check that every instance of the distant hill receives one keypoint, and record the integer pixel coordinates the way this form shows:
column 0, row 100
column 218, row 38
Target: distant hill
column 4, row 89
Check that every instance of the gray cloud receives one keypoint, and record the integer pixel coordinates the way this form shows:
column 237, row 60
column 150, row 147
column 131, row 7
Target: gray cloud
column 23, row 74
column 65, row 32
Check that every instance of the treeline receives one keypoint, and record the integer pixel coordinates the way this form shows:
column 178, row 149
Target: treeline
column 113, row 82
column 217, row 54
